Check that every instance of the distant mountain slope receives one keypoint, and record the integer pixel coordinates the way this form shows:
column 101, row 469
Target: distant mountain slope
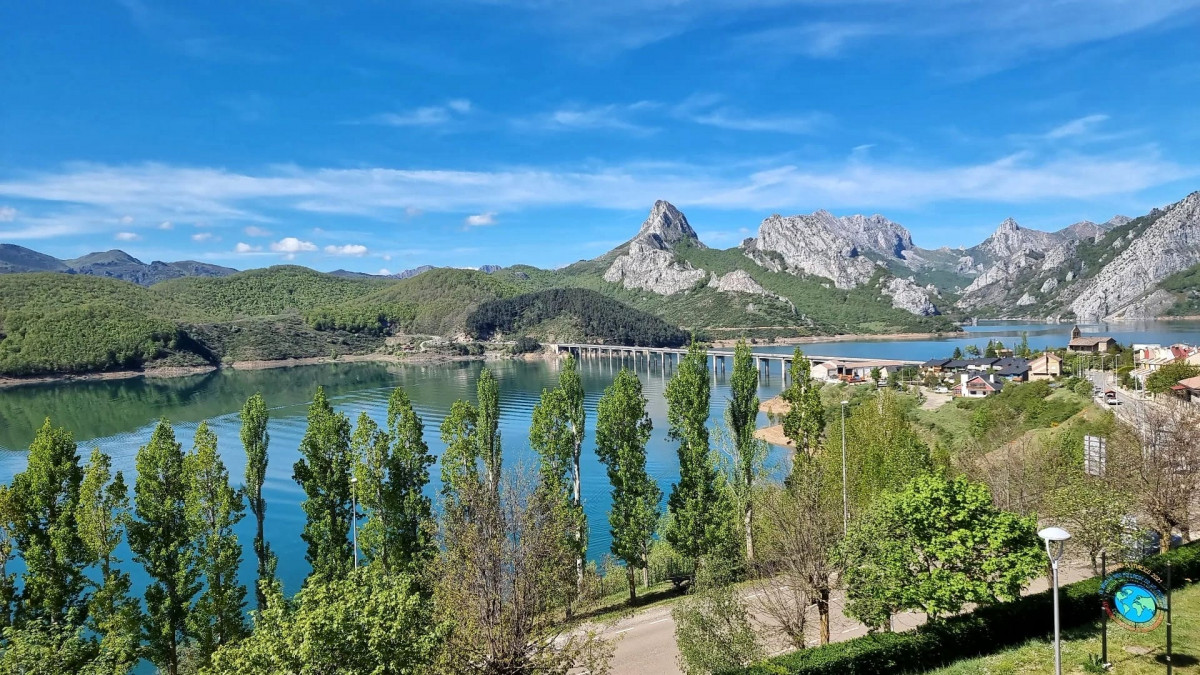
column 115, row 264
column 590, row 317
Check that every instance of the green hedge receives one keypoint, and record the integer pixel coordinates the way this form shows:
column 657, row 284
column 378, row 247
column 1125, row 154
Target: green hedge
column 984, row 631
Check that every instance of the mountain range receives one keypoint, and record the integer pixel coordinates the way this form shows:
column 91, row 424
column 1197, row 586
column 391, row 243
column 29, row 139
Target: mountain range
column 1085, row 271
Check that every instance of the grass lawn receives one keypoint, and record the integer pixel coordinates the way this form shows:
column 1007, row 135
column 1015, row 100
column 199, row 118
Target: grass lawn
column 1081, row 644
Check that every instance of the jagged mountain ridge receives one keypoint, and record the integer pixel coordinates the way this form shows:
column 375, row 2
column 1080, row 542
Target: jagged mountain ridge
column 115, row 264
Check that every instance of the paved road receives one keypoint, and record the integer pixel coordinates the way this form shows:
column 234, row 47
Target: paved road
column 646, row 640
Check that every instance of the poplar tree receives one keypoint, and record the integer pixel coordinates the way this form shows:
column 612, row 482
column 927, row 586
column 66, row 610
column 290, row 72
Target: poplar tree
column 471, row 435
column 214, row 508
column 102, row 516
column 748, row 451
column 487, row 393
column 255, row 440
column 698, row 503
column 805, row 419
column 8, row 581
column 45, row 497
column 160, row 537
column 622, row 430
column 323, row 472
column 409, row 526
column 557, row 435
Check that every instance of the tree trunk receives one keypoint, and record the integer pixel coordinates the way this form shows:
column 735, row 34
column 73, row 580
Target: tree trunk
column 823, row 612
column 749, row 525
column 575, row 494
column 646, row 570
column 632, row 584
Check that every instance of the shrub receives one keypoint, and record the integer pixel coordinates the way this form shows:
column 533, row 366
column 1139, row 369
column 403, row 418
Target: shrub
column 525, row 344
column 986, row 630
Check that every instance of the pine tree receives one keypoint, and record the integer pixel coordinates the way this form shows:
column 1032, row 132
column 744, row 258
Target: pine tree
column 45, row 496
column 214, row 508
column 556, row 433
column 698, row 504
column 410, row 541
column 622, row 430
column 160, row 537
column 748, row 451
column 958, row 353
column 323, row 472
column 805, row 419
column 255, row 440
column 102, row 517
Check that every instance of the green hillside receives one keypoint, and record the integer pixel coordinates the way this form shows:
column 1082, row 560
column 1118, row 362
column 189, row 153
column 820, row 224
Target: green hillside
column 284, row 289
column 1186, row 287
column 590, row 317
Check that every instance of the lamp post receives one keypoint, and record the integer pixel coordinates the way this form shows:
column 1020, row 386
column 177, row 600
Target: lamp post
column 845, row 502
column 354, row 516
column 1059, row 536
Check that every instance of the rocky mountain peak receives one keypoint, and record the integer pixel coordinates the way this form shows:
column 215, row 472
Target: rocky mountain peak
column 665, row 227
column 1117, row 221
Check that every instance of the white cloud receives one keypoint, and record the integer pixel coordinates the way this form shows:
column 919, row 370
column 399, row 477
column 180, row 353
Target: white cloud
column 387, row 257
column 125, row 220
column 256, row 231
column 7, row 214
column 818, row 40
column 202, row 236
column 292, row 245
column 480, row 219
column 412, row 212
column 459, row 105
column 705, row 110
column 1076, row 127
column 243, row 247
column 582, row 118
column 384, row 272
column 347, row 249
column 166, row 225
column 127, row 236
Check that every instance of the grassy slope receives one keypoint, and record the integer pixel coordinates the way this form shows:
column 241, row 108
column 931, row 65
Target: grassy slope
column 1037, row 656
column 1186, row 287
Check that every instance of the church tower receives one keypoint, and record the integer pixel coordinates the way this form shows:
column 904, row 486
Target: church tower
column 1075, row 332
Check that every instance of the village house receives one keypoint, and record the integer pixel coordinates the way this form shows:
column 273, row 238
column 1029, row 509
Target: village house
column 1188, row 390
column 978, row 386
column 1045, row 367
column 1089, row 345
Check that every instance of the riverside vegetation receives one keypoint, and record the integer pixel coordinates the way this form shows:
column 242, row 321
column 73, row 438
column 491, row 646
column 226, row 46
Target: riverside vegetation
column 488, row 580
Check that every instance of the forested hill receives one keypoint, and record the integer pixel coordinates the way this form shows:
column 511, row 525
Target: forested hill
column 575, row 312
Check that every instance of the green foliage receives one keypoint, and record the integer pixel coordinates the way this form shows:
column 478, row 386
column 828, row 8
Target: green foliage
column 160, row 537
column 366, row 622
column 805, row 419
column 622, row 429
column 80, row 337
column 936, row 546
column 472, row 437
column 525, row 345
column 360, row 319
column 214, row 509
column 712, row 627
column 441, row 299
column 748, row 452
column 1185, row 285
column 988, row 629
column 599, row 318
column 255, row 440
column 882, row 451
column 284, row 289
column 699, row 505
column 45, row 497
column 323, row 472
column 1169, row 375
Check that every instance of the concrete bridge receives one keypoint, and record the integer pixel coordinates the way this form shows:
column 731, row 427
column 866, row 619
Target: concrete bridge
column 719, row 358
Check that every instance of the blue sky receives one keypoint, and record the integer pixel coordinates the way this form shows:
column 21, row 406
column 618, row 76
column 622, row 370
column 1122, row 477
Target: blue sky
column 383, row 135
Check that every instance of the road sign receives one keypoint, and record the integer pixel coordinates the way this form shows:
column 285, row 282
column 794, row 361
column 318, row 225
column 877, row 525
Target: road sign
column 1095, row 451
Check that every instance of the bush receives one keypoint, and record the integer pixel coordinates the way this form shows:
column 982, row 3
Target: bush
column 984, row 631
column 525, row 344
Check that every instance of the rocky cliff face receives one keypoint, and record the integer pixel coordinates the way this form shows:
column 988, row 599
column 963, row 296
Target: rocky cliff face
column 649, row 262
column 1170, row 244
column 907, row 295
column 812, row 244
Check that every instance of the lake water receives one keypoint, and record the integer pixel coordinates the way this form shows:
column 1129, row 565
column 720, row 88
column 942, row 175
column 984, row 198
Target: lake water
column 118, row 415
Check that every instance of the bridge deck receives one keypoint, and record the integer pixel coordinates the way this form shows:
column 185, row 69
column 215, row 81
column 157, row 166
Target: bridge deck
column 728, row 353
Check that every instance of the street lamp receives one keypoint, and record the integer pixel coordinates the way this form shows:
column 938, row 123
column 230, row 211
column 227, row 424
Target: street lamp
column 354, row 516
column 1059, row 536
column 845, row 503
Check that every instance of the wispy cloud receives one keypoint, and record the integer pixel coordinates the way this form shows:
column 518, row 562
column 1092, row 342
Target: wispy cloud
column 818, row 39
column 425, row 116
column 127, row 236
column 619, row 117
column 256, row 231
column 166, row 225
column 7, row 214
column 710, row 110
column 243, row 247
column 1076, row 127
column 202, row 236
column 480, row 219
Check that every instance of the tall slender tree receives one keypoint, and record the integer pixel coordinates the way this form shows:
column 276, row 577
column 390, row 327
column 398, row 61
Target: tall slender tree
column 46, row 494
column 323, row 472
column 160, row 537
column 487, row 392
column 410, row 525
column 622, row 429
column 8, row 580
column 102, row 517
column 805, row 419
column 255, row 440
column 557, row 435
column 698, row 503
column 214, row 508
column 748, row 451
